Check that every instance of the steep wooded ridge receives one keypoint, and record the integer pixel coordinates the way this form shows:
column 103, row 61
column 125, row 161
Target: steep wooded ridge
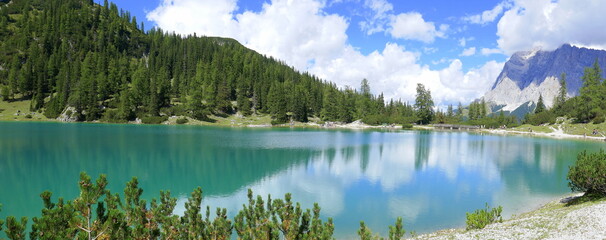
column 530, row 74
column 85, row 61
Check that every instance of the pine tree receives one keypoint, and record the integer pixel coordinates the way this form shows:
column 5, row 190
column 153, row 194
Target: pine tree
column 460, row 110
column 540, row 105
column 482, row 107
column 424, row 105
column 562, row 93
column 449, row 111
column 591, row 93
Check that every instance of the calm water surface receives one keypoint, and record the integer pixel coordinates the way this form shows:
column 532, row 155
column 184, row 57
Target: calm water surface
column 431, row 179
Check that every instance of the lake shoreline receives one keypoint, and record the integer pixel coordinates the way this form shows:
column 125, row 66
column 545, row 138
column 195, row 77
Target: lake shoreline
column 552, row 220
column 356, row 125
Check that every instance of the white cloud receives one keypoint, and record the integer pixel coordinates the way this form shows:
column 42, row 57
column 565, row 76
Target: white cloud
column 412, row 26
column 206, row 17
column 396, row 72
column 294, row 31
column 408, row 26
column 489, row 16
column 380, row 16
column 548, row 24
column 304, row 36
column 468, row 52
column 490, row 51
column 467, row 86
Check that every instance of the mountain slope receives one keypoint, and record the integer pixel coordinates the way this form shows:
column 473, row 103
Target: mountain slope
column 95, row 62
column 528, row 74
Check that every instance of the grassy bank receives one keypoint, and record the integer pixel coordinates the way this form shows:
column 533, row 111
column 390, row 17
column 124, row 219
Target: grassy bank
column 19, row 111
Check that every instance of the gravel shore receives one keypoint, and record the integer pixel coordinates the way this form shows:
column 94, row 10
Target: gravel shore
column 555, row 220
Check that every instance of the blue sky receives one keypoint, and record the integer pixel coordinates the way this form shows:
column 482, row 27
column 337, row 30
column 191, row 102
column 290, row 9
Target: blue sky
column 455, row 48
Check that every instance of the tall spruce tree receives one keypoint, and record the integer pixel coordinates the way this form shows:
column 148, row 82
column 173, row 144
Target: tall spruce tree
column 540, row 105
column 562, row 92
column 424, row 105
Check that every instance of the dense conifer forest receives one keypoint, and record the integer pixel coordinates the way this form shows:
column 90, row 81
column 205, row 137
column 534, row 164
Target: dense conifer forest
column 96, row 62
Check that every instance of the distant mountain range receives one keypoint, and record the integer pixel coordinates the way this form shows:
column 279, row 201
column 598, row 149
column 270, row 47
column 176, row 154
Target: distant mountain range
column 529, row 74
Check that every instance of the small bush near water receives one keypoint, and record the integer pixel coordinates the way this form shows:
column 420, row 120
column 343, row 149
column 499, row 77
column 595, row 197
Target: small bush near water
column 482, row 217
column 182, row 120
column 588, row 174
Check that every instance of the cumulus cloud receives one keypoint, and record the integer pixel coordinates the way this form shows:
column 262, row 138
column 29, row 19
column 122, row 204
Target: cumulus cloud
column 489, row 16
column 396, row 72
column 468, row 52
column 379, row 17
column 294, row 31
column 548, row 24
column 455, row 84
column 408, row 26
column 412, row 26
column 304, row 36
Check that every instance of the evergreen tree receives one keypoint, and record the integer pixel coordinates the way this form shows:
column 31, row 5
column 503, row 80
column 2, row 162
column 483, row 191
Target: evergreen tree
column 330, row 110
column 591, row 94
column 449, row 111
column 562, row 92
column 460, row 109
column 482, row 111
column 424, row 105
column 540, row 105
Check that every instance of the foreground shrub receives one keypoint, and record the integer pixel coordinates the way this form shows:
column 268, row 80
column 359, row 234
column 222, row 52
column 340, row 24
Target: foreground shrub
column 482, row 217
column 588, row 174
column 182, row 120
column 395, row 232
column 97, row 213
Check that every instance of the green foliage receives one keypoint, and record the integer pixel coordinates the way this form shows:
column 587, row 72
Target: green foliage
column 1, row 221
column 407, row 126
column 590, row 103
column 15, row 230
column 562, row 92
column 540, row 105
column 280, row 219
column 154, row 119
column 365, row 233
column 588, row 174
column 182, row 120
column 424, row 105
column 98, row 60
column 397, row 232
column 28, row 116
column 98, row 214
column 540, row 118
column 4, row 92
column 482, row 217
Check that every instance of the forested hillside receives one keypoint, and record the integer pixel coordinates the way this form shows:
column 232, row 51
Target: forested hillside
column 96, row 62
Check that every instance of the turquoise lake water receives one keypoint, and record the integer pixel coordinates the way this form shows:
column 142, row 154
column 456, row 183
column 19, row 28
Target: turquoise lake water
column 431, row 179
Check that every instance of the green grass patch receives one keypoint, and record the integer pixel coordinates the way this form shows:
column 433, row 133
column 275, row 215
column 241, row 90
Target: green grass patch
column 18, row 111
column 529, row 128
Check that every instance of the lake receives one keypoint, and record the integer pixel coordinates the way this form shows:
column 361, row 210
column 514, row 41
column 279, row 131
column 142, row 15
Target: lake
column 431, row 179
